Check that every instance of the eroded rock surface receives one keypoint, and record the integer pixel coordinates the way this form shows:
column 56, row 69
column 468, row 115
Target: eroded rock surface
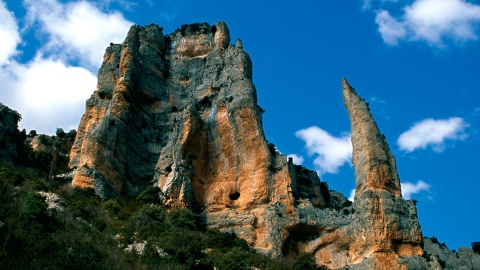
column 387, row 226
column 180, row 111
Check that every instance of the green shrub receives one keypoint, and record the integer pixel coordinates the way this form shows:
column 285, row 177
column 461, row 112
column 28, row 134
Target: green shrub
column 112, row 206
column 236, row 259
column 60, row 133
column 43, row 159
column 224, row 241
column 84, row 192
column 35, row 207
column 184, row 246
column 10, row 175
column 305, row 261
column 149, row 195
column 156, row 213
column 182, row 218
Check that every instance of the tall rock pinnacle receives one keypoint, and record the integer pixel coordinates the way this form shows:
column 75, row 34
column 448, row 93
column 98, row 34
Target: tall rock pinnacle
column 375, row 167
column 386, row 226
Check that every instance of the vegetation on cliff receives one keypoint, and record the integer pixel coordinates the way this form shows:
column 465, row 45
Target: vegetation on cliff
column 82, row 231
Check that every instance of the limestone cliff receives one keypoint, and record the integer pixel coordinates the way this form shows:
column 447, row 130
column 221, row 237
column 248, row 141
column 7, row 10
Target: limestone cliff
column 180, row 111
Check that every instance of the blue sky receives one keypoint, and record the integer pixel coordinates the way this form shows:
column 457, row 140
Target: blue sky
column 416, row 62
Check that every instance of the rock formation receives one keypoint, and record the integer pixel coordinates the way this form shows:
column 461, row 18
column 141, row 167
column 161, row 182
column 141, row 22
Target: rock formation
column 386, row 226
column 438, row 253
column 180, row 111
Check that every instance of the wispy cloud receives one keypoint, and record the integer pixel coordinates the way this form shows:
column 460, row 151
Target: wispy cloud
column 431, row 21
column 9, row 35
column 76, row 31
column 408, row 189
column 298, row 160
column 390, row 29
column 332, row 152
column 434, row 133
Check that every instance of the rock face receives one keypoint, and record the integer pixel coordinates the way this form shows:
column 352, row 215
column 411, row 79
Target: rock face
column 179, row 111
column 375, row 167
column 387, row 224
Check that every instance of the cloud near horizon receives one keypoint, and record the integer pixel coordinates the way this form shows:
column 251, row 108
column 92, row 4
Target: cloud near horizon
column 431, row 21
column 434, row 133
column 50, row 90
column 331, row 152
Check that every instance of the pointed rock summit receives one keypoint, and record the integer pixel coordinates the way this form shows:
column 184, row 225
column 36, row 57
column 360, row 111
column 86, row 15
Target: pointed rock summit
column 386, row 226
column 375, row 167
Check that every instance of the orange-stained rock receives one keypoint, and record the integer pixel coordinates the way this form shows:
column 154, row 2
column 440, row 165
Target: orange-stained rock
column 375, row 167
column 179, row 111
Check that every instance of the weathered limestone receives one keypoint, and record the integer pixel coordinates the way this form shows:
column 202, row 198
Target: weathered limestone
column 180, row 111
column 386, row 226
column 375, row 167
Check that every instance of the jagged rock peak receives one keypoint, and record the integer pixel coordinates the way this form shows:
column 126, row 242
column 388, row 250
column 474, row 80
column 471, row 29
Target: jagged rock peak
column 178, row 111
column 375, row 166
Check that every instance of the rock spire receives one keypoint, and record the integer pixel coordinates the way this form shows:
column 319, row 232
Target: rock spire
column 375, row 167
column 386, row 226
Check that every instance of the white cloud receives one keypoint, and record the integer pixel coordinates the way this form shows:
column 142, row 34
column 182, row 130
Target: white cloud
column 351, row 197
column 77, row 31
column 47, row 93
column 432, row 21
column 9, row 36
column 409, row 188
column 431, row 132
column 332, row 151
column 50, row 90
column 390, row 29
column 298, row 160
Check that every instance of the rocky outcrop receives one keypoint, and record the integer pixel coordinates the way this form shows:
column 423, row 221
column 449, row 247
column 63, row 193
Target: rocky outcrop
column 464, row 258
column 55, row 203
column 10, row 137
column 179, row 111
